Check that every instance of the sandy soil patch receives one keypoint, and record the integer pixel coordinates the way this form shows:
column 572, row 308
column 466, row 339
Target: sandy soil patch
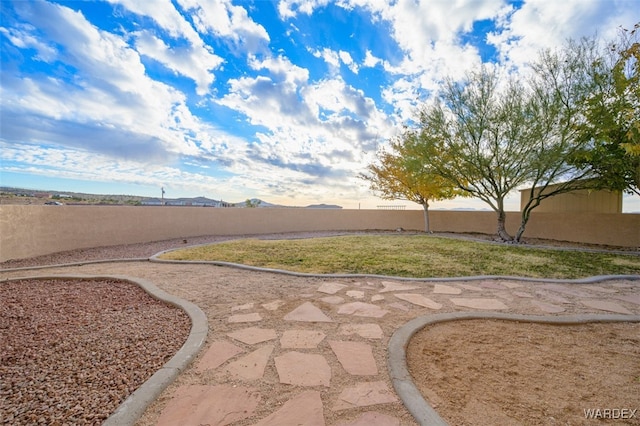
column 481, row 372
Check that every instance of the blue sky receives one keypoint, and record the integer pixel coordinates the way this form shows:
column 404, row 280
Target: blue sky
column 284, row 100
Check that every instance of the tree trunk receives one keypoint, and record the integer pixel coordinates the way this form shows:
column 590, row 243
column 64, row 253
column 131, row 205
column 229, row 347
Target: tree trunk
column 502, row 231
column 518, row 236
column 526, row 214
column 427, row 228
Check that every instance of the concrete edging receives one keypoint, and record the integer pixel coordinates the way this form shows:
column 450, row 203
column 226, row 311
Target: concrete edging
column 132, row 408
column 397, row 357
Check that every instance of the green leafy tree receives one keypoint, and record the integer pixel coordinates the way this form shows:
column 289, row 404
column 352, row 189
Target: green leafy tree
column 612, row 116
column 483, row 132
column 501, row 134
column 562, row 80
column 252, row 203
column 404, row 173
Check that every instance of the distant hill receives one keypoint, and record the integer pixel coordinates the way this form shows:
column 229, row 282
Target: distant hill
column 256, row 202
column 11, row 195
column 323, row 206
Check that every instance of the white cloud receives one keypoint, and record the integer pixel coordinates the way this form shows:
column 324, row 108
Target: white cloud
column 165, row 15
column 316, row 133
column 194, row 61
column 183, row 60
column 70, row 163
column 330, row 57
column 282, row 69
column 542, row 24
column 334, row 59
column 111, row 106
column 224, row 19
column 21, row 36
column 291, row 8
column 370, row 61
column 346, row 59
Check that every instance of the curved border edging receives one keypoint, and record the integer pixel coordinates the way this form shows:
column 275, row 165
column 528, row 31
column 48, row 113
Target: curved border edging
column 132, row 408
column 403, row 384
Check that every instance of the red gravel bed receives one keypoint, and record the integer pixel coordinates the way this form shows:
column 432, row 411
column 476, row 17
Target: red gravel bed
column 73, row 350
column 140, row 250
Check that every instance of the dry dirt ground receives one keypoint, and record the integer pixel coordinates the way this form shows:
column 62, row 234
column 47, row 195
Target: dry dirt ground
column 483, row 391
column 483, row 372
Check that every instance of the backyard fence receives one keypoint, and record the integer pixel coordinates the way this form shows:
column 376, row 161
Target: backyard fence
column 28, row 230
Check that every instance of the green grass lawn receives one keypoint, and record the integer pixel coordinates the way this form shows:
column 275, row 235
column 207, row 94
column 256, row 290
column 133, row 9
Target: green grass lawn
column 418, row 256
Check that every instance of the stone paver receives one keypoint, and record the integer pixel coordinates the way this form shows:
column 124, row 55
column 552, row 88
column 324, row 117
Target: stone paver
column 491, row 285
column 608, row 306
column 395, row 286
column 361, row 309
column 355, row 294
column 355, row 357
column 307, row 312
column 274, row 305
column 446, row 289
column 244, row 307
column 301, row 339
column 331, row 288
column 471, row 287
column 553, row 297
column 333, row 300
column 558, row 288
column 253, row 335
column 251, row 366
column 547, row 307
column 196, row 405
column 365, row 394
column 333, row 323
column 218, row 353
column 367, row 331
column 399, row 306
column 420, row 300
column 296, row 368
column 632, row 298
column 479, row 303
column 304, row 409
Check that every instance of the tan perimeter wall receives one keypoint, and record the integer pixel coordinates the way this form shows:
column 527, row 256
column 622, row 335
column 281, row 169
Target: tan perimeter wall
column 28, row 231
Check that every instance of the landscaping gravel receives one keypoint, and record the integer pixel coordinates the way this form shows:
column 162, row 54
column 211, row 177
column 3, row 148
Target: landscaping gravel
column 140, row 250
column 73, row 350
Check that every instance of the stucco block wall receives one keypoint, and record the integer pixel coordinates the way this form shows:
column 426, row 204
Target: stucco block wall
column 580, row 201
column 28, row 231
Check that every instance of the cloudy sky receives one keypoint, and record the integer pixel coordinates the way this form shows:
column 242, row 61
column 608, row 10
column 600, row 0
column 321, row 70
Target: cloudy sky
column 283, row 100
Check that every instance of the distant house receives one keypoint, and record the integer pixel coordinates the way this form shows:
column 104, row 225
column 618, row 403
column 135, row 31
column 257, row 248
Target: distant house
column 193, row 202
column 201, row 202
column 152, row 202
column 580, row 201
